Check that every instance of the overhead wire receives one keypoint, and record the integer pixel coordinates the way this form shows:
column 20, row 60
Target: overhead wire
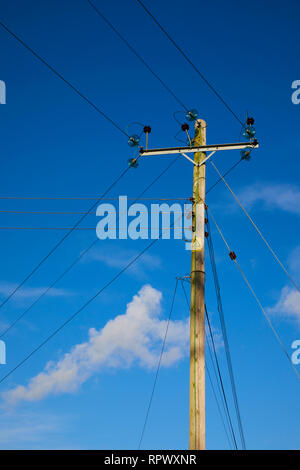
column 82, row 254
column 93, row 198
column 76, row 90
column 65, row 236
column 224, row 334
column 76, row 313
column 95, row 241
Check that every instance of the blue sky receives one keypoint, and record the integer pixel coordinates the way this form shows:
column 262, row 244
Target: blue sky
column 54, row 144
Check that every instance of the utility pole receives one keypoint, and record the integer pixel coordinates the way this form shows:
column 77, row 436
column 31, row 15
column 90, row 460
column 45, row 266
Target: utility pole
column 197, row 321
column 202, row 152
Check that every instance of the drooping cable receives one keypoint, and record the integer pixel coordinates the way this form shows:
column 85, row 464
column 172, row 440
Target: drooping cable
column 224, row 333
column 158, row 367
column 190, row 62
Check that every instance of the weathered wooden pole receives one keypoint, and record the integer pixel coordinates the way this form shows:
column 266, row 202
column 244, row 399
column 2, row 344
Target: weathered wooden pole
column 197, row 328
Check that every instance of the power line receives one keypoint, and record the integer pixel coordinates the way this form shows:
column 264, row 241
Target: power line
column 81, row 255
column 224, row 333
column 61, row 240
column 79, row 228
column 94, row 242
column 80, row 212
column 53, row 70
column 91, row 299
column 158, row 366
column 254, row 294
column 190, row 62
column 100, row 14
column 65, row 323
column 89, row 198
column 88, row 302
column 257, row 229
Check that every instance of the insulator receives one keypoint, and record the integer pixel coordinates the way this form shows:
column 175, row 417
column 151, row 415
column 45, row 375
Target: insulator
column 147, row 129
column 246, row 155
column 249, row 132
column 192, row 115
column 132, row 162
column 133, row 140
column 185, row 127
column 250, row 121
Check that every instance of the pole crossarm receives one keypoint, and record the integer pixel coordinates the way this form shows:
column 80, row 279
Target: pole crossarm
column 199, row 148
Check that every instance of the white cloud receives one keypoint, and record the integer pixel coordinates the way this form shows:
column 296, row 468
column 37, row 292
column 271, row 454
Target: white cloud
column 132, row 338
column 22, row 430
column 288, row 305
column 273, row 196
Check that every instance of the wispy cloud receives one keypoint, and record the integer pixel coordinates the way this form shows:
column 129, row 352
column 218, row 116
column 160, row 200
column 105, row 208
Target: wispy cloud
column 6, row 288
column 288, row 305
column 133, row 338
column 294, row 262
column 19, row 430
column 118, row 258
column 285, row 197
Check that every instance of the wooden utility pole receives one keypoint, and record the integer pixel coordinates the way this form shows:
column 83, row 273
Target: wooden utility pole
column 197, row 324
column 197, row 348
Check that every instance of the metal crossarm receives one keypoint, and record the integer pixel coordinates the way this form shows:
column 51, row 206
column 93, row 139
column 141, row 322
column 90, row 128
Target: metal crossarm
column 200, row 148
